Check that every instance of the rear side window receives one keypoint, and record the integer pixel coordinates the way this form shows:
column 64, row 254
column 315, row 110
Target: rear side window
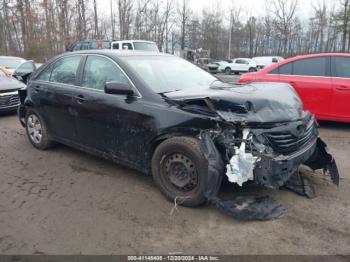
column 99, row 70
column 310, row 67
column 65, row 70
column 115, row 46
column 341, row 67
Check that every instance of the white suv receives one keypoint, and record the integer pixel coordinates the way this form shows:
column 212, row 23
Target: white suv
column 238, row 65
column 140, row 45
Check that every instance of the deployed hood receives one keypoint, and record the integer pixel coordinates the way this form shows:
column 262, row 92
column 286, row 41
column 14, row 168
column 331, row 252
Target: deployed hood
column 8, row 84
column 251, row 103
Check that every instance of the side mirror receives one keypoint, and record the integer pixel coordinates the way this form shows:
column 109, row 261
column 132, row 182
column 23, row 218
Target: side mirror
column 118, row 88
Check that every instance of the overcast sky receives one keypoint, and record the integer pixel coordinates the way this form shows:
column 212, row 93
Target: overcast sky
column 249, row 7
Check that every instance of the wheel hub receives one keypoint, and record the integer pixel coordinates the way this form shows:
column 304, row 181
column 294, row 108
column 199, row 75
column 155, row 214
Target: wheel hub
column 181, row 172
column 34, row 128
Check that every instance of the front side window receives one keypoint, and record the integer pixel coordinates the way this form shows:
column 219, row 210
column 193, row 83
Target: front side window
column 45, row 74
column 65, row 70
column 99, row 70
column 286, row 69
column 116, row 46
column 310, row 67
column 341, row 67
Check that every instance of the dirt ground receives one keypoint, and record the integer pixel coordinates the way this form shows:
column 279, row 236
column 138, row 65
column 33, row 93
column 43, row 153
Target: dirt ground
column 64, row 201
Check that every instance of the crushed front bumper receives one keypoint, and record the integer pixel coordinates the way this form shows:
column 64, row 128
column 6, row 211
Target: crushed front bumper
column 274, row 171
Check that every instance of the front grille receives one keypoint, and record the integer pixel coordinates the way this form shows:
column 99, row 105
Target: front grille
column 289, row 141
column 9, row 101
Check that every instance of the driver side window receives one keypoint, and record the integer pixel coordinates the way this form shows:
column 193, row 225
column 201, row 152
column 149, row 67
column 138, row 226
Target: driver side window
column 99, row 70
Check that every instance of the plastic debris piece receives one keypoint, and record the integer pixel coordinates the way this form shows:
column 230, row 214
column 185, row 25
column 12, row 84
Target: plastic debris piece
column 301, row 185
column 250, row 208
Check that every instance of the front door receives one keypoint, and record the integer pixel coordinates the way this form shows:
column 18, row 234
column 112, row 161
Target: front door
column 106, row 122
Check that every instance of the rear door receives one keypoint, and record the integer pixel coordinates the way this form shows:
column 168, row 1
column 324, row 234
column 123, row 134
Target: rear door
column 52, row 93
column 340, row 103
column 311, row 79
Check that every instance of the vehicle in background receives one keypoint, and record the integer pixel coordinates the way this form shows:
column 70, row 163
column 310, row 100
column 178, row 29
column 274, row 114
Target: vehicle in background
column 24, row 71
column 9, row 99
column 238, row 65
column 164, row 116
column 6, row 71
column 17, row 67
column 11, row 62
column 264, row 61
column 208, row 65
column 321, row 80
column 89, row 44
column 139, row 45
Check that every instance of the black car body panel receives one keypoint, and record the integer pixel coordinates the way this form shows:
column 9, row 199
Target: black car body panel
column 127, row 129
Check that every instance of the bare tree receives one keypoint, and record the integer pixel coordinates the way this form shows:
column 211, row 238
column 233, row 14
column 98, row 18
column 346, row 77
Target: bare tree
column 184, row 16
column 284, row 12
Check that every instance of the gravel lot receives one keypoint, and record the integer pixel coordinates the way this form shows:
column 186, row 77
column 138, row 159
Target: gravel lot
column 64, row 201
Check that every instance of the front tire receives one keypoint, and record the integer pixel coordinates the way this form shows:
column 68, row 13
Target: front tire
column 180, row 170
column 228, row 71
column 37, row 131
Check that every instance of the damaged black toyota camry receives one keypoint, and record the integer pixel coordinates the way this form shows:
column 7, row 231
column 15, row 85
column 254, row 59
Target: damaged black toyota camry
column 166, row 117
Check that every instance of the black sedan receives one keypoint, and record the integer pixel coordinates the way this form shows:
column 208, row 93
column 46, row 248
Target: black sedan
column 9, row 86
column 166, row 117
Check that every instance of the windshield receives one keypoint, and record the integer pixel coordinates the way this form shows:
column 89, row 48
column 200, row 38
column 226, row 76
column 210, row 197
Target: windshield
column 11, row 62
column 145, row 46
column 166, row 73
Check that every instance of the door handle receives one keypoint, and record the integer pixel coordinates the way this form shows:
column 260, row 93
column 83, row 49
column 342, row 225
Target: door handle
column 80, row 99
column 343, row 88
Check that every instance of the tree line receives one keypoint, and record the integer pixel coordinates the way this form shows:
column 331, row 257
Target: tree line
column 39, row 29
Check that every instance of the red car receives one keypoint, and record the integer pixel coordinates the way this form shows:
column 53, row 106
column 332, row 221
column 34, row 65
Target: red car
column 321, row 80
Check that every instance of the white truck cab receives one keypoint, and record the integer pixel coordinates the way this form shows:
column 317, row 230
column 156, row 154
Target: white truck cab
column 140, row 45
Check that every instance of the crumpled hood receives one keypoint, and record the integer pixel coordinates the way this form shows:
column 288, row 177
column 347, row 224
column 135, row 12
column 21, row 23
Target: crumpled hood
column 251, row 103
column 8, row 84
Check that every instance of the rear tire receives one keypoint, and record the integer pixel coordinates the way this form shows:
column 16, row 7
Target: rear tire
column 252, row 69
column 180, row 170
column 37, row 131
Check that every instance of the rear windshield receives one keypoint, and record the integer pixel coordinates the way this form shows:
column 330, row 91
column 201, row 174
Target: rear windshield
column 145, row 46
column 11, row 62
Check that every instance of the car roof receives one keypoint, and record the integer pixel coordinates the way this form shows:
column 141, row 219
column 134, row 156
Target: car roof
column 300, row 57
column 120, row 53
column 142, row 41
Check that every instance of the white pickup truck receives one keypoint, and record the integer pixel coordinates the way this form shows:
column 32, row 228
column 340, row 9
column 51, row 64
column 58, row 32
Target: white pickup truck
column 134, row 45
